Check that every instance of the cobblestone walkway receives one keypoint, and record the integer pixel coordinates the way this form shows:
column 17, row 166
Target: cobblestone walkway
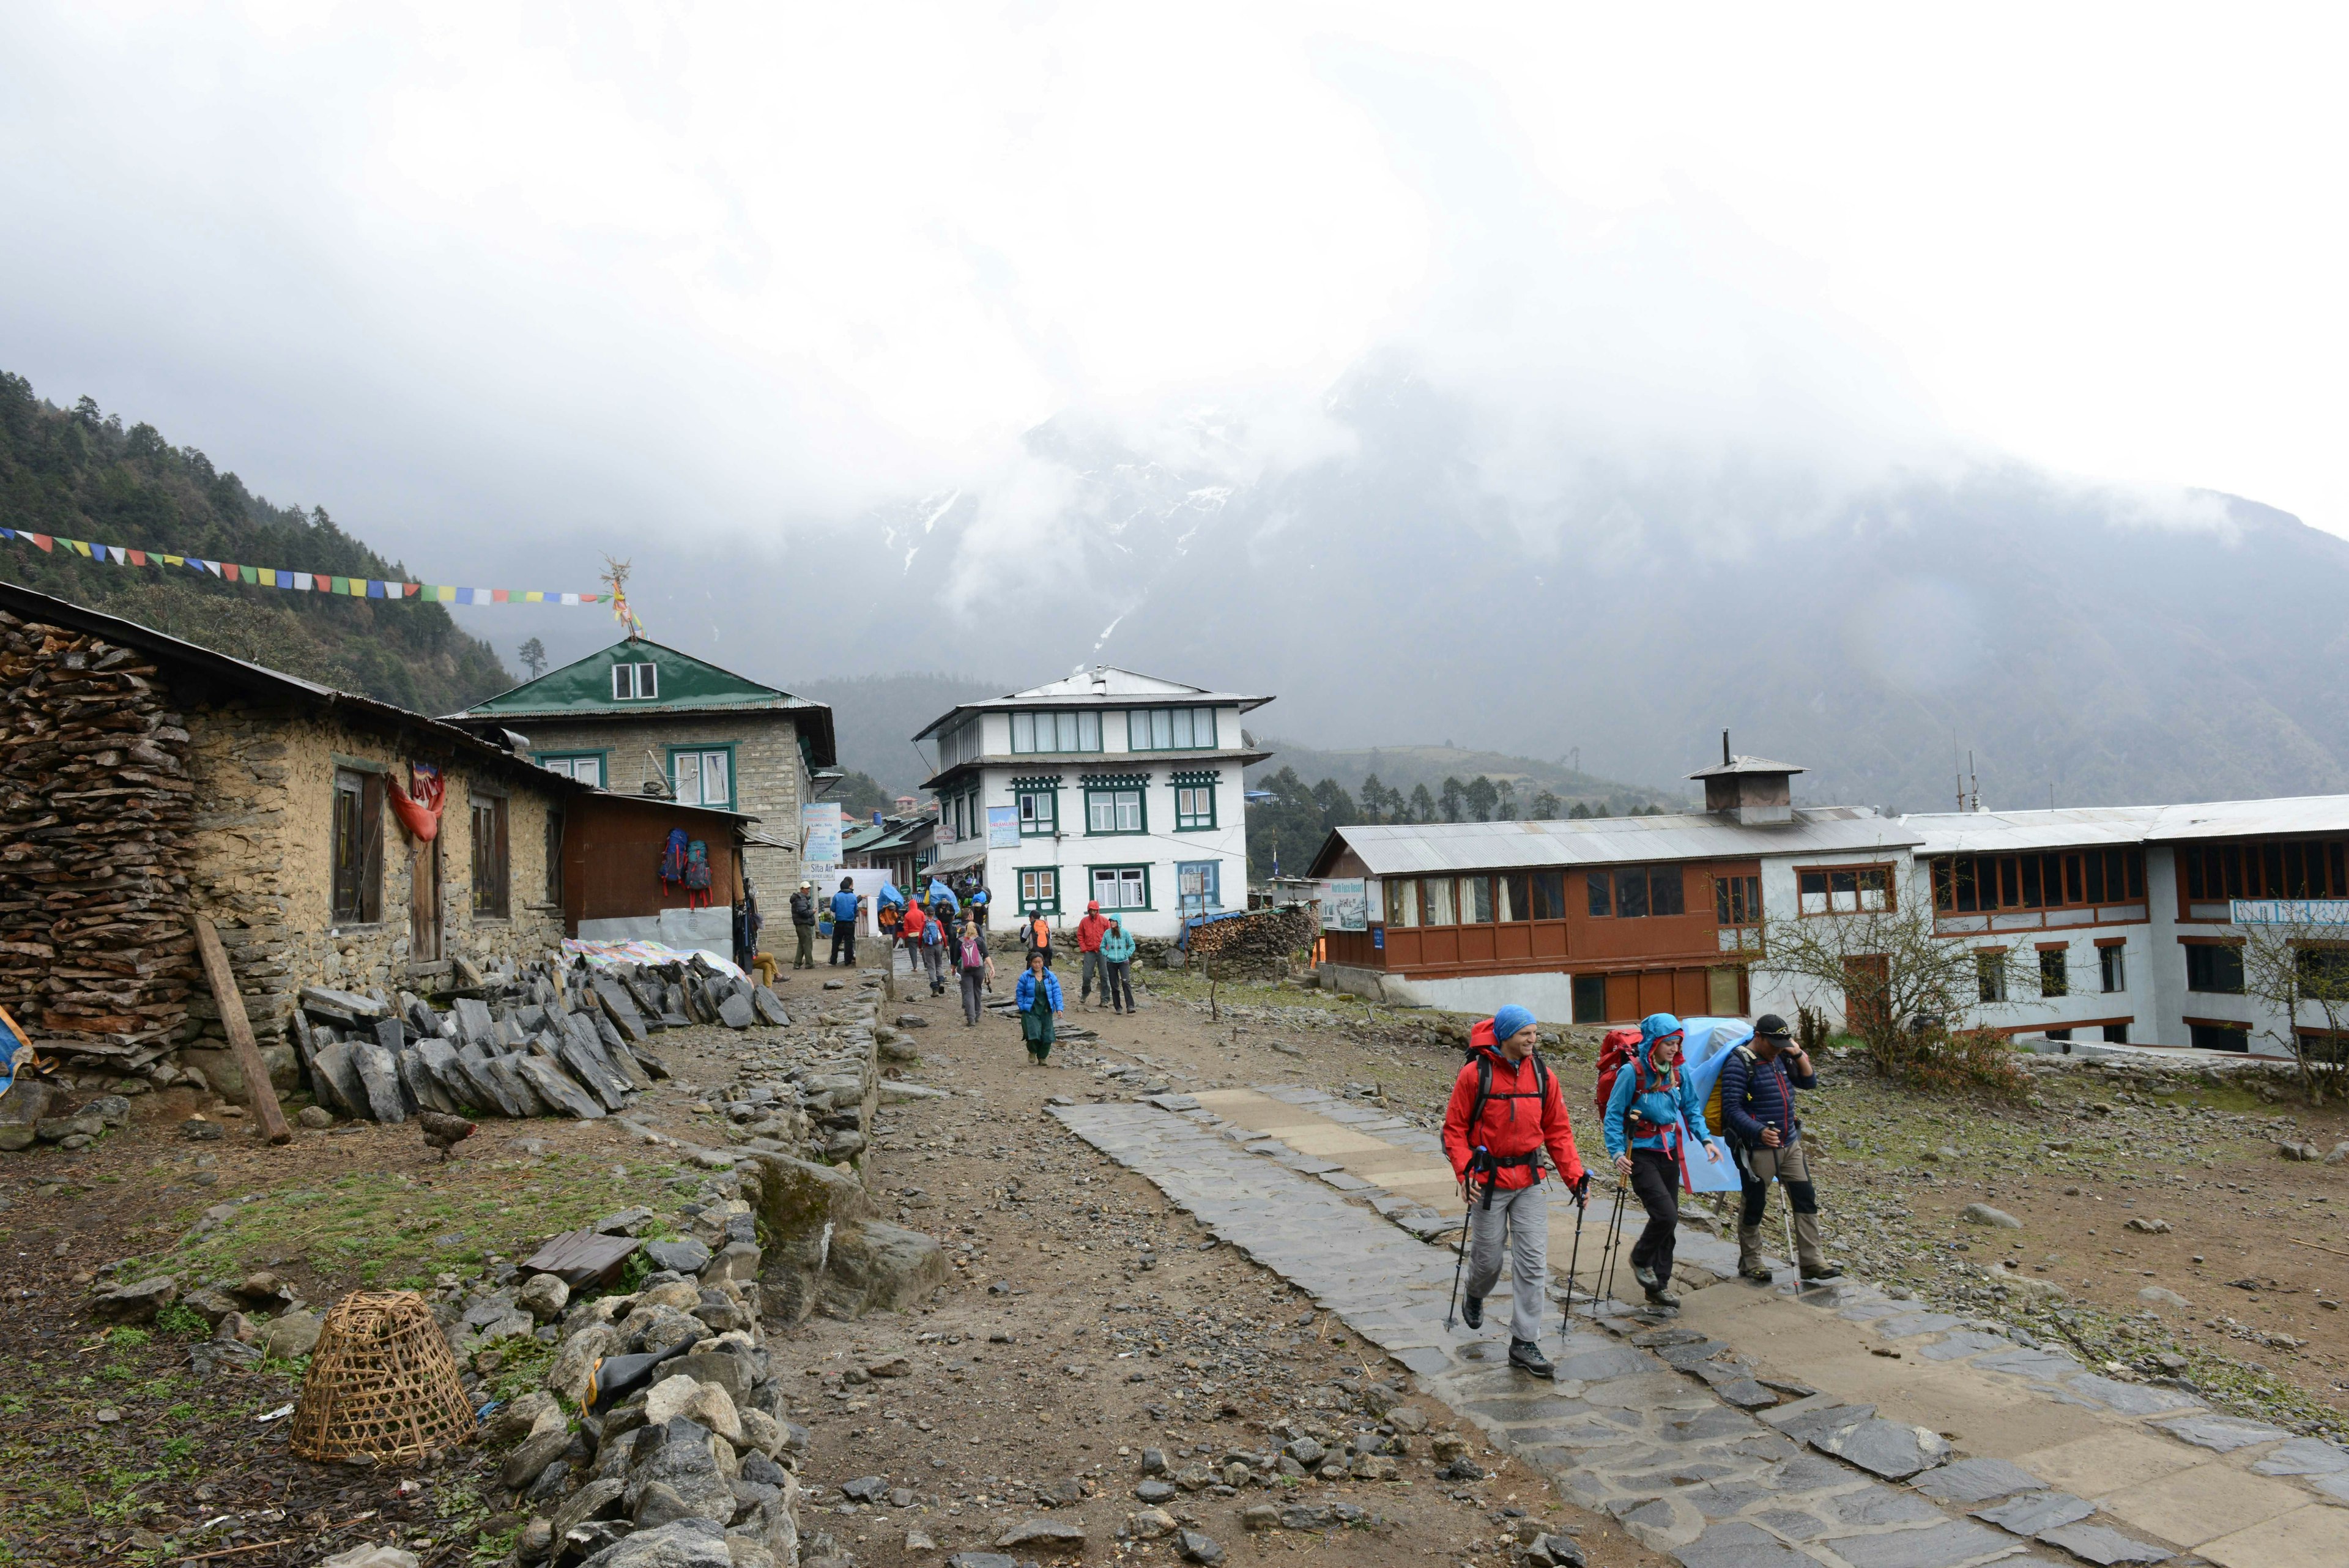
column 1672, row 1431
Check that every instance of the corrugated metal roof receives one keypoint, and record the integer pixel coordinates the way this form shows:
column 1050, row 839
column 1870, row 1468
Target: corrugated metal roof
column 1980, row 832
column 1103, row 686
column 1404, row 849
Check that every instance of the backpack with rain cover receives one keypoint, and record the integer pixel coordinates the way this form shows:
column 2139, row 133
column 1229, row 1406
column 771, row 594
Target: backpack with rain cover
column 673, row 856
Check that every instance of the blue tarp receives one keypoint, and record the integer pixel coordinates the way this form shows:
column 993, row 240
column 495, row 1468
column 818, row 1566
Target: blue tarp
column 1704, row 1051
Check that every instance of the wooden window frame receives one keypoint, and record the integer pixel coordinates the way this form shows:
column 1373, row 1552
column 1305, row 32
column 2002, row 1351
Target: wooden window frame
column 2062, row 953
column 491, row 821
column 603, row 761
column 1194, row 821
column 702, row 749
column 2233, row 945
column 1990, row 961
column 1829, row 873
column 1148, row 741
column 2028, row 874
column 1038, row 905
column 355, row 847
column 1140, row 790
column 2113, row 967
column 1055, row 749
column 1119, row 869
column 1606, row 886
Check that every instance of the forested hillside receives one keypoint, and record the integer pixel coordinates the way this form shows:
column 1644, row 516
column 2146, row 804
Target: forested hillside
column 78, row 474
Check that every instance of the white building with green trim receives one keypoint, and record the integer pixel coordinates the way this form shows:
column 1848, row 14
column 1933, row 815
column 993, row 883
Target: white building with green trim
column 640, row 713
column 1106, row 786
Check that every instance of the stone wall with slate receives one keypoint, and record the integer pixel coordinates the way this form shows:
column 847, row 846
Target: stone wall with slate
column 263, row 861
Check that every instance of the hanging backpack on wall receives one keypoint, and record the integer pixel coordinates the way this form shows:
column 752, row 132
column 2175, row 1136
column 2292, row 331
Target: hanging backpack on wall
column 672, row 862
column 697, row 874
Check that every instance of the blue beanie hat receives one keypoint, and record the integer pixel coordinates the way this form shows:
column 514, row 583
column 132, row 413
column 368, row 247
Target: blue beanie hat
column 1509, row 1020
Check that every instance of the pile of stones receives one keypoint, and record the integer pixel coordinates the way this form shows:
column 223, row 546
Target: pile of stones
column 683, row 1453
column 533, row 1042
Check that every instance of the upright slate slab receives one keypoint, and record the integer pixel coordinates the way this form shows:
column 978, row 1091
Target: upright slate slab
column 337, row 1078
column 391, row 1034
column 770, row 1007
column 612, row 1054
column 586, row 1068
column 473, row 1022
column 620, row 1008
column 436, row 1059
column 427, row 1024
column 379, row 1079
column 422, row 1087
column 517, row 1086
column 566, row 1097
column 735, row 1013
column 652, row 1065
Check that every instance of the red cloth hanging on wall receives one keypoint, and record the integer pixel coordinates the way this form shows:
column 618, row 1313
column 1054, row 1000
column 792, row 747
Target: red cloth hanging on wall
column 418, row 806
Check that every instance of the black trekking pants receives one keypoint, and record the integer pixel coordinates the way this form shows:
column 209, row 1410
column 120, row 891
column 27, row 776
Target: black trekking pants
column 1656, row 1179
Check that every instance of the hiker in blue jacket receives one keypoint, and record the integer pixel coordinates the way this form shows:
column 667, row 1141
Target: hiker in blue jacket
column 1645, row 1113
column 1039, row 1000
column 843, row 922
column 1757, row 1102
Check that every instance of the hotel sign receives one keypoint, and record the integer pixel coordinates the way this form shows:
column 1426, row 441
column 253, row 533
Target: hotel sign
column 2288, row 911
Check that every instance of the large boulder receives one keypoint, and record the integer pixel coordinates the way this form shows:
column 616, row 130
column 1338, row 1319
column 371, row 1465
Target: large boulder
column 137, row 1301
column 802, row 1205
column 879, row 1267
column 691, row 1461
column 294, row 1334
column 575, row 1363
column 685, row 1543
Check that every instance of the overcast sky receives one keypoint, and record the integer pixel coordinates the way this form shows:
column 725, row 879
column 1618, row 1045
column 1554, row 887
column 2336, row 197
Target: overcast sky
column 504, row 285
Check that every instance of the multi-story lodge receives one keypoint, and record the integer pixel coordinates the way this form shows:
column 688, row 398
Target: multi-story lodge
column 1108, row 786
column 2113, row 924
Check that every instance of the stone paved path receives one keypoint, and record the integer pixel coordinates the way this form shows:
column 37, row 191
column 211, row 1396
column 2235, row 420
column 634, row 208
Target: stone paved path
column 1699, row 1452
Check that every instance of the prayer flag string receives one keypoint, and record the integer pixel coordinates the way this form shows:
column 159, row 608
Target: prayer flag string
column 304, row 582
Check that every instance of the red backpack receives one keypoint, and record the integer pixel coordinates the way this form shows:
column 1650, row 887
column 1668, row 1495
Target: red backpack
column 1616, row 1048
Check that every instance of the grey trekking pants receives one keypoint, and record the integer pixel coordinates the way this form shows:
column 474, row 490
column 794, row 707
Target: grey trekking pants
column 1525, row 1215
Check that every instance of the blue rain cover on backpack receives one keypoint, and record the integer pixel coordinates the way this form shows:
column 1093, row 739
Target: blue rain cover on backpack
column 697, row 865
column 672, row 865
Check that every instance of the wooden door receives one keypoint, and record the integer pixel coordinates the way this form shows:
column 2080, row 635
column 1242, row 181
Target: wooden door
column 424, row 903
column 1866, row 981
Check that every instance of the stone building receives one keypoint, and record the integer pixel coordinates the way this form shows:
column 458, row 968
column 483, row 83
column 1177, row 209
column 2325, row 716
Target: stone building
column 143, row 779
column 640, row 716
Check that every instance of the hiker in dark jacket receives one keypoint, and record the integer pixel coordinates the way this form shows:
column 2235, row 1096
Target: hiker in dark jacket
column 803, row 926
column 1758, row 1103
column 1495, row 1150
column 843, row 922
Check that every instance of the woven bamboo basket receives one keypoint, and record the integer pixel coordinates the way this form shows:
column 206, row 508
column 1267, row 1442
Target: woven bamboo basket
column 381, row 1383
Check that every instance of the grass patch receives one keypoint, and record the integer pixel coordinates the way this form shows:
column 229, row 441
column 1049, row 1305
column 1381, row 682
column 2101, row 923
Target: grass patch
column 180, row 1320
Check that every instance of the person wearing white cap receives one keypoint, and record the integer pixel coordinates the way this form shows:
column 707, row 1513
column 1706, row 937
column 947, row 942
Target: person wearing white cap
column 803, row 926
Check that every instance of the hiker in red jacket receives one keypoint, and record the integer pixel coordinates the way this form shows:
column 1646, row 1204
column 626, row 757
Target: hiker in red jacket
column 1090, row 932
column 1506, row 1108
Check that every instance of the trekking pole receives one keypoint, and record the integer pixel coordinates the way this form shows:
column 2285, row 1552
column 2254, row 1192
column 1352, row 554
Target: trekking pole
column 1574, row 1261
column 1461, row 1258
column 1614, row 1245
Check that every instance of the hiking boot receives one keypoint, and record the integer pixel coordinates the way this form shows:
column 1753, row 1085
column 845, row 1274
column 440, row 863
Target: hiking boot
column 1661, row 1297
column 1647, row 1278
column 1757, row 1275
column 1472, row 1311
column 1821, row 1272
column 1527, row 1356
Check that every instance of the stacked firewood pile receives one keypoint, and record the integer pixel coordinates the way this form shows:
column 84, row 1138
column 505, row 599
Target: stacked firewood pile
column 95, row 958
column 539, row 1039
column 1254, row 946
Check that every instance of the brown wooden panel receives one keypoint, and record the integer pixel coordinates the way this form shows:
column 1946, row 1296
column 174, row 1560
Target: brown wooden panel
column 1689, row 994
column 1513, row 942
column 1476, row 944
column 1549, row 938
column 612, row 853
column 1622, row 998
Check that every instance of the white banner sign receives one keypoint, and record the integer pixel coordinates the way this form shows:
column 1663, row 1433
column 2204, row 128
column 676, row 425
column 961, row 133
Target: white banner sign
column 820, row 839
column 1345, row 904
column 2289, row 911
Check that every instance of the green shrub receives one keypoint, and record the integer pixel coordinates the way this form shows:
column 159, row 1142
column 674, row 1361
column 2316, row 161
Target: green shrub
column 1946, row 1061
column 180, row 1321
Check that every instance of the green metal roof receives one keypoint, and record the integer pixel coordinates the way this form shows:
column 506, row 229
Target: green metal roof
column 582, row 690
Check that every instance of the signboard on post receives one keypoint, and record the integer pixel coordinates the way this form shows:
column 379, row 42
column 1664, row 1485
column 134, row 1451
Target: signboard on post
column 1345, row 904
column 820, row 841
column 1003, row 827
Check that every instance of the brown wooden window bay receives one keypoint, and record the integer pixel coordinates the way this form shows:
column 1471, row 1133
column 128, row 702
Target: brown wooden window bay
column 358, row 847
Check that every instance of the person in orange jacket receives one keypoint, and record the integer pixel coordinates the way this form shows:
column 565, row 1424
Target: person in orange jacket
column 1506, row 1108
column 1090, row 932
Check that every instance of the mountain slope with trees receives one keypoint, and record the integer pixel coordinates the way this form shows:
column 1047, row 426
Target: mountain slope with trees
column 78, row 473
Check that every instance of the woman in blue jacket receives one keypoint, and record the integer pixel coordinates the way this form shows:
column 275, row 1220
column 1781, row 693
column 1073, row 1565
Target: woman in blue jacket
column 1649, row 1105
column 1039, row 999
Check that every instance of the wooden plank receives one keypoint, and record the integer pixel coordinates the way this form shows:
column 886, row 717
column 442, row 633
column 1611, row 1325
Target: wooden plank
column 239, row 1031
column 581, row 1258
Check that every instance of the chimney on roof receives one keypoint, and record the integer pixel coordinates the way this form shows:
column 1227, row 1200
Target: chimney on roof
column 1753, row 791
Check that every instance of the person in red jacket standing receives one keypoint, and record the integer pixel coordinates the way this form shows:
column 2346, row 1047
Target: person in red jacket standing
column 1506, row 1108
column 1090, row 932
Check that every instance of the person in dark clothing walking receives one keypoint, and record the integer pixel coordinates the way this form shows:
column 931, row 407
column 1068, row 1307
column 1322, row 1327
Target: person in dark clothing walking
column 1646, row 1111
column 973, row 968
column 1757, row 1102
column 843, row 922
column 803, row 926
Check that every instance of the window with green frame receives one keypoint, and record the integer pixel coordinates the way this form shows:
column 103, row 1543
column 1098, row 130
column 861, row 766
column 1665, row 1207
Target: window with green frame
column 1118, row 887
column 1116, row 805
column 1039, row 805
column 702, row 776
column 1170, row 730
column 1039, row 889
column 1194, row 801
column 588, row 767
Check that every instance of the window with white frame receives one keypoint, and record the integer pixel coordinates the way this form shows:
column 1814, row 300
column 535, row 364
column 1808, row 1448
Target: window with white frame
column 1113, row 810
column 1171, row 729
column 1844, row 889
column 702, row 777
column 587, row 770
column 1039, row 891
column 1122, row 887
column 1194, row 805
column 1039, row 808
column 635, row 682
column 1056, row 731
